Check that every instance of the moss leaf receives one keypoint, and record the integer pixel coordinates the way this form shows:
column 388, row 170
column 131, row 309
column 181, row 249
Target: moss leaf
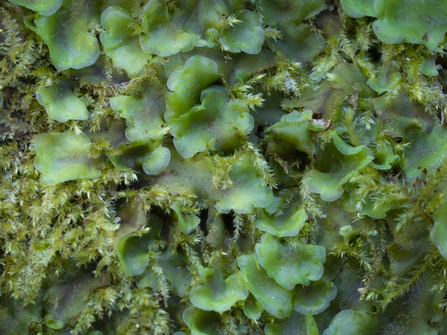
column 61, row 103
column 290, row 264
column 247, row 35
column 217, row 293
column 67, row 35
column 44, row 7
column 144, row 115
column 358, row 8
column 187, row 82
column 274, row 299
column 120, row 43
column 218, row 121
column 340, row 163
column 315, row 298
column 132, row 248
column 162, row 37
column 64, row 156
column 408, row 21
column 203, row 322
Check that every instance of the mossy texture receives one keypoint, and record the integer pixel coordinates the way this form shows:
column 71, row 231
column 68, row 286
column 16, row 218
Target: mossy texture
column 223, row 167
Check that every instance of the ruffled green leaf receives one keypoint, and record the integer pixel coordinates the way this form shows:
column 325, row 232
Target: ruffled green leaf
column 203, row 322
column 218, row 121
column 187, row 82
column 44, row 7
column 429, row 67
column 290, row 264
column 274, row 299
column 295, row 128
column 408, row 21
column 120, row 43
column 247, row 35
column 162, row 37
column 384, row 82
column 148, row 154
column 288, row 224
column 156, row 161
column 339, row 163
column 425, row 154
column 174, row 269
column 325, row 101
column 348, row 322
column 16, row 318
column 299, row 43
column 67, row 34
column 64, row 156
column 384, row 157
column 358, row 8
column 366, row 207
column 64, row 302
column 214, row 292
column 315, row 298
column 186, row 222
column 295, row 325
column 349, row 77
column 144, row 115
column 248, row 191
column 438, row 233
column 131, row 246
column 252, row 308
column 279, row 12
column 61, row 103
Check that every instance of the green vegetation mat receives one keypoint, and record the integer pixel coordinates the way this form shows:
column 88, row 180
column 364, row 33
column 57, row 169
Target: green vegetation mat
column 223, row 167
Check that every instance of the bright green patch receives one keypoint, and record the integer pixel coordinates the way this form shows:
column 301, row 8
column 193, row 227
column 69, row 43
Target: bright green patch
column 61, row 102
column 274, row 299
column 290, row 263
column 214, row 292
column 120, row 43
column 246, row 36
column 315, row 298
column 64, row 156
column 411, row 21
column 67, row 34
column 218, row 122
column 187, row 82
column 162, row 37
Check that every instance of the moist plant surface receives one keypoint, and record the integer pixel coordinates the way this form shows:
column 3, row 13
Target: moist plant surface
column 223, row 167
